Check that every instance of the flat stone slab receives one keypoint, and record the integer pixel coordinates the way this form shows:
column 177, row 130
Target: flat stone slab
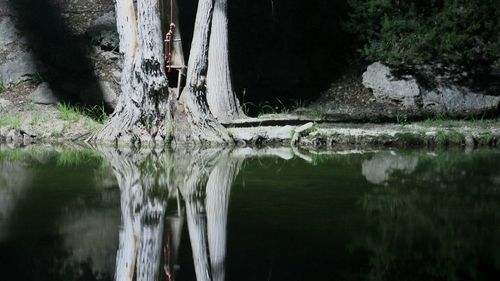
column 271, row 120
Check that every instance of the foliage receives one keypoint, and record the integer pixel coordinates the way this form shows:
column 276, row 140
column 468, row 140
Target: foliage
column 38, row 78
column 402, row 32
column 3, row 87
column 71, row 112
column 12, row 121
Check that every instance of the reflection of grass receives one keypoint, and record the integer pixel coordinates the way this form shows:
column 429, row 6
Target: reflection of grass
column 12, row 155
column 76, row 158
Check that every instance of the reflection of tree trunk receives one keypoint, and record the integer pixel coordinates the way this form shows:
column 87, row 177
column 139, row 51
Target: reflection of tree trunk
column 217, row 202
column 141, row 177
column 220, row 179
column 191, row 185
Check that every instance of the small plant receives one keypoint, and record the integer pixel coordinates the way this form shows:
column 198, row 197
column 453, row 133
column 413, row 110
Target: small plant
column 97, row 112
column 69, row 112
column 3, row 87
column 299, row 103
column 316, row 113
column 14, row 122
column 402, row 119
column 38, row 78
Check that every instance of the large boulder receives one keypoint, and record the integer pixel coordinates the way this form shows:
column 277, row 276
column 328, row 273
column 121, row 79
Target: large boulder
column 386, row 87
column 443, row 98
column 16, row 66
column 16, row 61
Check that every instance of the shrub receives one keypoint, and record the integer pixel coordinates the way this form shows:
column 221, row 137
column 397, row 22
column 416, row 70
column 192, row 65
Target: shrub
column 403, row 32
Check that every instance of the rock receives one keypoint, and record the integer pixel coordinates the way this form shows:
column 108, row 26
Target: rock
column 108, row 21
column 301, row 130
column 386, row 87
column 43, row 95
column 9, row 33
column 17, row 65
column 4, row 104
column 103, row 32
column 100, row 92
column 445, row 98
column 14, row 136
column 459, row 101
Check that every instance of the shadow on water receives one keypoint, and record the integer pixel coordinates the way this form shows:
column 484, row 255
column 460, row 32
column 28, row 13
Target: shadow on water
column 272, row 213
column 63, row 55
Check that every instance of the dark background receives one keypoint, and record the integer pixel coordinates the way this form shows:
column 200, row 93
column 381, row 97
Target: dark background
column 281, row 49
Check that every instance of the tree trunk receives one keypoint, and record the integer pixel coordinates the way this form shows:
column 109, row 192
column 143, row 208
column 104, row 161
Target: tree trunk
column 141, row 111
column 221, row 98
column 146, row 112
column 203, row 126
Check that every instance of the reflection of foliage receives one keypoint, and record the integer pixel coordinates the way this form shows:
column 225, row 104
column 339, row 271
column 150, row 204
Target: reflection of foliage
column 442, row 226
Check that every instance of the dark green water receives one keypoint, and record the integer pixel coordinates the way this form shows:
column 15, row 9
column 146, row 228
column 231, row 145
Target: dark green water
column 249, row 215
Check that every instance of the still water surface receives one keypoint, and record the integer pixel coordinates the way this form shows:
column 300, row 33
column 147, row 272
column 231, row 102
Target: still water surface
column 271, row 214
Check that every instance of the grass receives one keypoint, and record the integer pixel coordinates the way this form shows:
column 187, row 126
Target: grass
column 3, row 86
column 69, row 112
column 316, row 113
column 14, row 122
column 38, row 78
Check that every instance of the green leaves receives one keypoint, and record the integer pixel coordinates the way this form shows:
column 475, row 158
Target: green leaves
column 429, row 31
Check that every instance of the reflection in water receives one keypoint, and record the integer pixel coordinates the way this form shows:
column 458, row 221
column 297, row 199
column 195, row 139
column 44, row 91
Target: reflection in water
column 379, row 168
column 147, row 180
column 335, row 216
column 14, row 179
column 445, row 223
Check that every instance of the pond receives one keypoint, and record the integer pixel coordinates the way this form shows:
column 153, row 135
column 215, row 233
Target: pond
column 249, row 214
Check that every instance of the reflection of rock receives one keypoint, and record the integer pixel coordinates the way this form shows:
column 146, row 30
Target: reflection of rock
column 379, row 169
column 14, row 178
column 91, row 236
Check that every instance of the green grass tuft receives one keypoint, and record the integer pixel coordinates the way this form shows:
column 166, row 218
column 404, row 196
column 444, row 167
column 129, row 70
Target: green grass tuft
column 14, row 122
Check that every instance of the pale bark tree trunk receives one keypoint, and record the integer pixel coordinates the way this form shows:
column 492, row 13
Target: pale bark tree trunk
column 221, row 98
column 141, row 111
column 204, row 127
column 146, row 112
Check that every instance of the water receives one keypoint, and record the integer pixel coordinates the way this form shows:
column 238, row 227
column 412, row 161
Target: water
column 269, row 214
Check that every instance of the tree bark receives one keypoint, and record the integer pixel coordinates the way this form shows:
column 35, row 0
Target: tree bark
column 141, row 111
column 146, row 112
column 221, row 98
column 204, row 127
